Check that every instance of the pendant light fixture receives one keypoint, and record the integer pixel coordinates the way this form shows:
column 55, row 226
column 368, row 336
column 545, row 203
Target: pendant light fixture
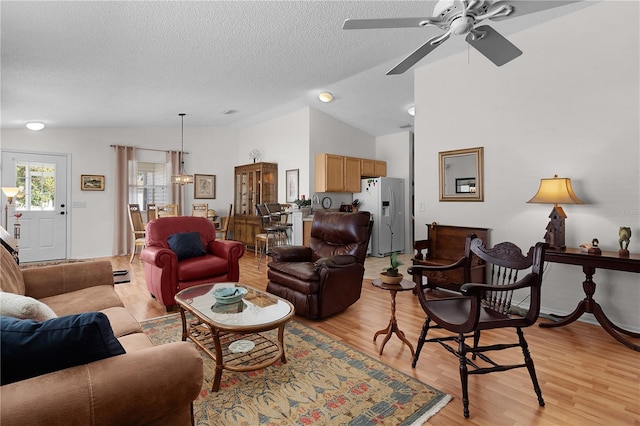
column 183, row 178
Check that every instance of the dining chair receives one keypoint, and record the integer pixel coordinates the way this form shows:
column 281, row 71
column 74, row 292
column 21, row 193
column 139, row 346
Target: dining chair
column 223, row 231
column 167, row 210
column 137, row 228
column 199, row 209
column 152, row 213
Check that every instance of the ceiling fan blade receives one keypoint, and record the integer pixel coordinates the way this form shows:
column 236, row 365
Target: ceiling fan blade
column 366, row 24
column 526, row 7
column 493, row 45
column 419, row 53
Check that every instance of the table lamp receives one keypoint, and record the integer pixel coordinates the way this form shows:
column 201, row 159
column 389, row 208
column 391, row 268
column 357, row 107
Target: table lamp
column 554, row 191
column 9, row 192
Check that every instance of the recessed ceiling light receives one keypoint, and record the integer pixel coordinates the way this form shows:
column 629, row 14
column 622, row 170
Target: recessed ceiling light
column 412, row 111
column 325, row 97
column 35, row 125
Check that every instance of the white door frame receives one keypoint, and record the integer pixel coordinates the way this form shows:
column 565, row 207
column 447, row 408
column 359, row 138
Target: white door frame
column 67, row 190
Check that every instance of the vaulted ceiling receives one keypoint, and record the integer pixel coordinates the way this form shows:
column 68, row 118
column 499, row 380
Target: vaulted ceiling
column 139, row 63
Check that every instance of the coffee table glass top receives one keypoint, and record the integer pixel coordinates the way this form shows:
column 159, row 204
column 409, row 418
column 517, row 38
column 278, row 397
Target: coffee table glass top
column 255, row 309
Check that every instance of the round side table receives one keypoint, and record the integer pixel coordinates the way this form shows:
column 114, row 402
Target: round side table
column 404, row 285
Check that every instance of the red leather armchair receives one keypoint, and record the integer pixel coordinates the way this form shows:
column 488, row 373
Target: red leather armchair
column 166, row 275
column 326, row 277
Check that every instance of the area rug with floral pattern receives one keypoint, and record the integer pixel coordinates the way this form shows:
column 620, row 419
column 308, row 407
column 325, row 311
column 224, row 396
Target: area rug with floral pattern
column 323, row 382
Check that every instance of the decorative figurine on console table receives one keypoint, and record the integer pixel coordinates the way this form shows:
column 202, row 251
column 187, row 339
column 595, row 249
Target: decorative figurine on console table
column 624, row 236
column 591, row 248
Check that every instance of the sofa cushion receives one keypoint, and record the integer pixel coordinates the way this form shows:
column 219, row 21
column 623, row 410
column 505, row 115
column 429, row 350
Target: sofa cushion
column 186, row 245
column 24, row 307
column 90, row 299
column 30, row 348
column 11, row 279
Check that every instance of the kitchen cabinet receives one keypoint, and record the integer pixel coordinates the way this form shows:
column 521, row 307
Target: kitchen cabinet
column 372, row 168
column 254, row 183
column 337, row 173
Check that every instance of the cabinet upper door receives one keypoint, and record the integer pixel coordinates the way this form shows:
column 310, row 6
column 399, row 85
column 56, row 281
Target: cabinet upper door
column 329, row 173
column 352, row 174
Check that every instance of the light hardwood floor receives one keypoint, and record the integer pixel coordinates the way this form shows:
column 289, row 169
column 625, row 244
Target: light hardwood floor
column 587, row 378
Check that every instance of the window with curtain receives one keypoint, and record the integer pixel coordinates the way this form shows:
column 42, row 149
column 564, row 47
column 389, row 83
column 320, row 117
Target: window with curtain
column 149, row 184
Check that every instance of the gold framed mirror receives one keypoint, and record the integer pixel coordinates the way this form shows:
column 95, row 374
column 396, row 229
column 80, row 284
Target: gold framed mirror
column 461, row 174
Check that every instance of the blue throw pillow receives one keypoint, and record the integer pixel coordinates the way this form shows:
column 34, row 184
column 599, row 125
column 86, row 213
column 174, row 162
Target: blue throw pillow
column 186, row 245
column 30, row 348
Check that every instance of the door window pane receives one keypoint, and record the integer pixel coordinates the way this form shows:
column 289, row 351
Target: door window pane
column 37, row 185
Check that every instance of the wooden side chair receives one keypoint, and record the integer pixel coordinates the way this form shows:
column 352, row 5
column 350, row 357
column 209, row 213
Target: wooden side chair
column 485, row 307
column 167, row 210
column 199, row 209
column 151, row 212
column 137, row 228
column 223, row 231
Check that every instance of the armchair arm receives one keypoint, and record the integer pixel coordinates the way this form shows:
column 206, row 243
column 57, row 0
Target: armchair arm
column 340, row 283
column 226, row 249
column 58, row 279
column 291, row 254
column 473, row 289
column 418, row 269
column 230, row 250
column 106, row 391
column 159, row 257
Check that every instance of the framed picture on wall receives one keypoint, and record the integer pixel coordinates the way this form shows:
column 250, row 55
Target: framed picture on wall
column 292, row 180
column 204, row 186
column 92, row 182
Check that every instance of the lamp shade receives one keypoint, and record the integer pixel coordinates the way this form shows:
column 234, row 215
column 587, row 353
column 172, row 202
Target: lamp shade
column 555, row 191
column 10, row 191
column 182, row 179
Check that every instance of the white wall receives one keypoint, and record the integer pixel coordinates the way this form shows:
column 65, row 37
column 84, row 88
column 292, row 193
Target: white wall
column 329, row 135
column 283, row 140
column 569, row 105
column 92, row 227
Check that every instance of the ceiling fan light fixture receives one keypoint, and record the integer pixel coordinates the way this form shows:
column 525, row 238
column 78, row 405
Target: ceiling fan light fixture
column 325, row 97
column 35, row 125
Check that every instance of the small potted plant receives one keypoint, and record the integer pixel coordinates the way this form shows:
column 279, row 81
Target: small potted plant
column 391, row 274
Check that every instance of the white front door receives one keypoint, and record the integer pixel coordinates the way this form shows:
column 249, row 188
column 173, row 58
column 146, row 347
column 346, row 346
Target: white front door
column 42, row 202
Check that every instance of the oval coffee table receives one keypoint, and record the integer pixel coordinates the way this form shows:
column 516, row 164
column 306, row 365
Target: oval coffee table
column 234, row 335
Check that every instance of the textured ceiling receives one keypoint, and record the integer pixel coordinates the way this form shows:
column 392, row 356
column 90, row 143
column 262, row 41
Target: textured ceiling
column 140, row 63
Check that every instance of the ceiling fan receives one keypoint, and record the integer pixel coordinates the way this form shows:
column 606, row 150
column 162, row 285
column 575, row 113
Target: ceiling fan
column 456, row 17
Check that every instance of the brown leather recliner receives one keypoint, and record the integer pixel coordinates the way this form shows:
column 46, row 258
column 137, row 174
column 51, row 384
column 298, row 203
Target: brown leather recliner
column 326, row 277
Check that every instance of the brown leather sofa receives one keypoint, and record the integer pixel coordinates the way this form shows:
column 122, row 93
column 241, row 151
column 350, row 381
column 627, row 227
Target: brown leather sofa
column 326, row 277
column 166, row 275
column 148, row 384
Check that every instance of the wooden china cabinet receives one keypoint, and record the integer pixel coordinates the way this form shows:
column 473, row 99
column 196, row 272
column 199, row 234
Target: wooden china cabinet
column 254, row 183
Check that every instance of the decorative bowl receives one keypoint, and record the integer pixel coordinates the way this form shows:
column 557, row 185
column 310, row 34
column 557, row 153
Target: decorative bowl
column 228, row 295
column 390, row 280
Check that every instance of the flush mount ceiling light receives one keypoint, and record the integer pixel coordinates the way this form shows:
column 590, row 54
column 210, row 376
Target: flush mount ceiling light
column 183, row 178
column 412, row 111
column 325, row 97
column 35, row 125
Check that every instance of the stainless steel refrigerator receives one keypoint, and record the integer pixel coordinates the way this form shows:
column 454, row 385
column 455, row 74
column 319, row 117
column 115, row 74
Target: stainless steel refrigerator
column 384, row 198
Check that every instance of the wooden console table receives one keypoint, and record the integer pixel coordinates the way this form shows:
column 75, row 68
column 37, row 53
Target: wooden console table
column 590, row 262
